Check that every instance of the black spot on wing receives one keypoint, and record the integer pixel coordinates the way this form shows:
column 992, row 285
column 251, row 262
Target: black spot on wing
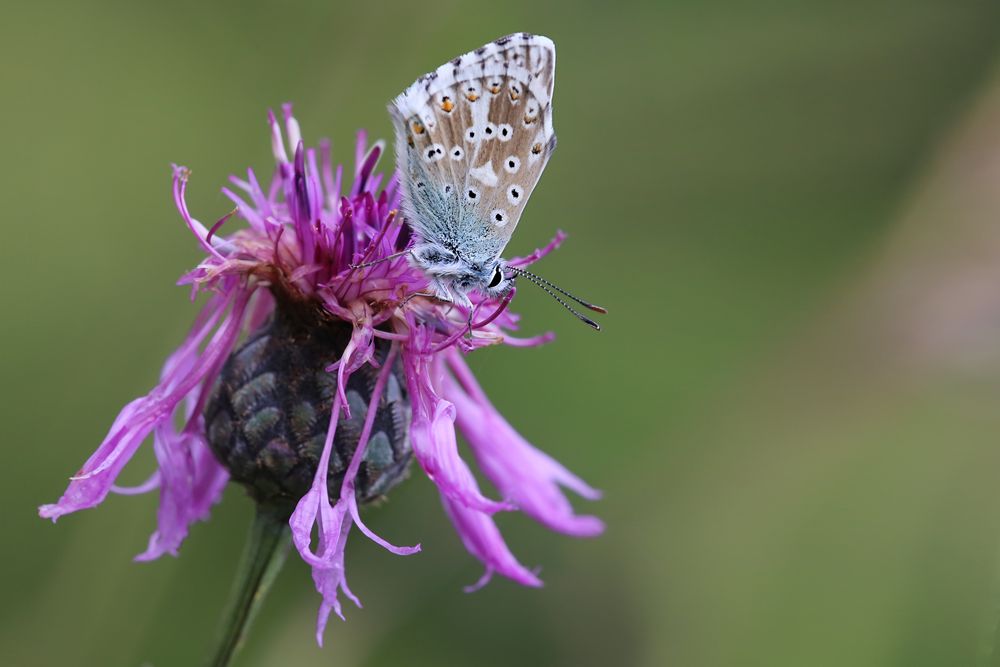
column 427, row 79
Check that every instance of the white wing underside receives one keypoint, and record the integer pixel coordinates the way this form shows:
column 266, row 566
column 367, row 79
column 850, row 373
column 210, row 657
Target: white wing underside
column 472, row 139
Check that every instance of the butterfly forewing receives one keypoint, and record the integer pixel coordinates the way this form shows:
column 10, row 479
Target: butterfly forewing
column 472, row 139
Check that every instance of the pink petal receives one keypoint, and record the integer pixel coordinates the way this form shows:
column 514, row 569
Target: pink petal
column 526, row 476
column 483, row 540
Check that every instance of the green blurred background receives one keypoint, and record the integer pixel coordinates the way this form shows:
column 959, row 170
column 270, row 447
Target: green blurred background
column 787, row 206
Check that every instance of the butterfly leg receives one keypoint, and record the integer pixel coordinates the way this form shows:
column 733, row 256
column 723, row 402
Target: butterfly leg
column 441, row 293
column 379, row 261
column 459, row 298
column 414, row 295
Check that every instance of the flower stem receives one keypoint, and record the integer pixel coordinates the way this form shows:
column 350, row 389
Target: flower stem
column 264, row 554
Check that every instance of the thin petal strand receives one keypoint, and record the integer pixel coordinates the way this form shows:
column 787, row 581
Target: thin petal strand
column 525, row 476
column 333, row 523
column 184, row 370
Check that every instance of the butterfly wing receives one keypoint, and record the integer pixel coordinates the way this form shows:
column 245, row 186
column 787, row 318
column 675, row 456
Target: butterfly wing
column 472, row 139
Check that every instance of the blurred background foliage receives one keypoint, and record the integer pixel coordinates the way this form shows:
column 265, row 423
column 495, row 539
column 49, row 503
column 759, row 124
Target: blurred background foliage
column 788, row 207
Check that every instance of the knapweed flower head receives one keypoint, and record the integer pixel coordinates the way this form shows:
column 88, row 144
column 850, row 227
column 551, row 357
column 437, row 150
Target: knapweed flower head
column 316, row 369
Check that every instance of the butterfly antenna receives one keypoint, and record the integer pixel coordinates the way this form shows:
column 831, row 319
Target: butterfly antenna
column 585, row 304
column 545, row 285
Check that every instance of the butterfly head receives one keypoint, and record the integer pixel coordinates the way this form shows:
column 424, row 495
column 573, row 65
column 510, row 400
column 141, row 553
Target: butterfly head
column 455, row 276
column 500, row 281
column 490, row 280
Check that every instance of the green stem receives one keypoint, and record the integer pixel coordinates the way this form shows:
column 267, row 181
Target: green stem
column 264, row 554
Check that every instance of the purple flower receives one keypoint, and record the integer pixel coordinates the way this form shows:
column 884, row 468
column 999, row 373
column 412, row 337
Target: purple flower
column 302, row 244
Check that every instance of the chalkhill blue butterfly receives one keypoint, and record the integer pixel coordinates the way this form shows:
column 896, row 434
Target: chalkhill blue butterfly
column 472, row 139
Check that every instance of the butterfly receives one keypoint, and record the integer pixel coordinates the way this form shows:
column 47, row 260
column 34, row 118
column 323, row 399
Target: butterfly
column 472, row 139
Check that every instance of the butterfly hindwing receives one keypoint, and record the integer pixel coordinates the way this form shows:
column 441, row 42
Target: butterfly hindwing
column 472, row 139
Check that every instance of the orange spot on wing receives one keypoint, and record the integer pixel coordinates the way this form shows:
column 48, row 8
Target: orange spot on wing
column 472, row 97
column 418, row 127
column 528, row 120
column 447, row 105
column 536, row 149
column 494, row 89
column 514, row 95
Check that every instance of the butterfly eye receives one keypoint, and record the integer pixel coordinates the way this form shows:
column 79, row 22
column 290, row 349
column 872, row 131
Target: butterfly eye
column 497, row 277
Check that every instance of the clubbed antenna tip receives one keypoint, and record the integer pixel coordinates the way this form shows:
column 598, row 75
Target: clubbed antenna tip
column 545, row 285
